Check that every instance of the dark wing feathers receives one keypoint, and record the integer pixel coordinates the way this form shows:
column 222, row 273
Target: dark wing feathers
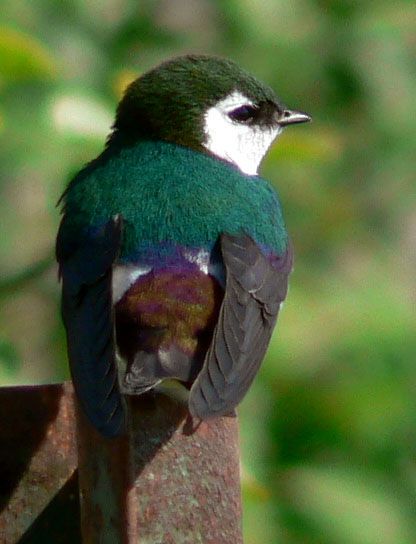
column 86, row 272
column 254, row 291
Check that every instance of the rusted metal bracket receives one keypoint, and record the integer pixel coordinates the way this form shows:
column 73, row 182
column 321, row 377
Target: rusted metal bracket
column 165, row 482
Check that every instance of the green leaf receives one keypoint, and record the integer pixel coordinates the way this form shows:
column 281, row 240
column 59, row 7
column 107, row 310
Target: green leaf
column 23, row 58
column 347, row 506
column 9, row 358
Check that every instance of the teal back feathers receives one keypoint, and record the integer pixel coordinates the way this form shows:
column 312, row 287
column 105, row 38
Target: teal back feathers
column 169, row 193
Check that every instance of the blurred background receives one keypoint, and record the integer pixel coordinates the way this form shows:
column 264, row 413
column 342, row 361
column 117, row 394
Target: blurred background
column 328, row 430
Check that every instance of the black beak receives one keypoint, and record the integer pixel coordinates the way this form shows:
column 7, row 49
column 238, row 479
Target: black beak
column 291, row 117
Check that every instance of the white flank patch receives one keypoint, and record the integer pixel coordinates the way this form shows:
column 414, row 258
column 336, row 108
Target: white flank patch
column 200, row 258
column 124, row 276
column 242, row 144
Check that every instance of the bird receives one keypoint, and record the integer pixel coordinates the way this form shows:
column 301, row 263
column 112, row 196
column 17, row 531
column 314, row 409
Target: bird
column 173, row 253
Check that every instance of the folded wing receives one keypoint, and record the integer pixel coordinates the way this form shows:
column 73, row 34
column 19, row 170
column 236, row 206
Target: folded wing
column 86, row 270
column 254, row 291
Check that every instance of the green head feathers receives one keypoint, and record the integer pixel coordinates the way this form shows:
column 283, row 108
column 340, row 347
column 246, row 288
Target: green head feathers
column 168, row 102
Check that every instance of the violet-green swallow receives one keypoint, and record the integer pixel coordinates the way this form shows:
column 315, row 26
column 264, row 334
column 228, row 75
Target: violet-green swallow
column 173, row 252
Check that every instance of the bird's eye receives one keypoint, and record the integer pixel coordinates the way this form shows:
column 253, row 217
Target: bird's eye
column 243, row 114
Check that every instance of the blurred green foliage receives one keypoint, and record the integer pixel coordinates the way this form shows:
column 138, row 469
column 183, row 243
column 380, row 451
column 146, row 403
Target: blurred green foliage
column 329, row 427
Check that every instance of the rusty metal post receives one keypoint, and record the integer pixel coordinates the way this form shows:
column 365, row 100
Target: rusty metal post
column 166, row 482
column 37, row 459
column 105, row 485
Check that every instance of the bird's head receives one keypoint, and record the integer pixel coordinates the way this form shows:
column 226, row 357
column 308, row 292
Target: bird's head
column 205, row 103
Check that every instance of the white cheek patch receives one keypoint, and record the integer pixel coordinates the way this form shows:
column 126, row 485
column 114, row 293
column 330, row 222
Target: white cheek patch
column 242, row 144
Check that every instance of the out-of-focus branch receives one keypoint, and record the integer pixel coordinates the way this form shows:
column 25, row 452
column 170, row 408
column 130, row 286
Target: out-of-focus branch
column 30, row 273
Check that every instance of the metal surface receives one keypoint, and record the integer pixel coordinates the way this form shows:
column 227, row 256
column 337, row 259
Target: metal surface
column 167, row 482
column 173, row 484
column 37, row 453
column 107, row 509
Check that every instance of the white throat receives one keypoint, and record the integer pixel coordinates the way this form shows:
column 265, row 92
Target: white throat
column 242, row 144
